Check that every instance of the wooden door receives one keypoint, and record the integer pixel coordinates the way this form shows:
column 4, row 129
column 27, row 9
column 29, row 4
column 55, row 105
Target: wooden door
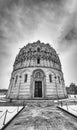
column 38, row 89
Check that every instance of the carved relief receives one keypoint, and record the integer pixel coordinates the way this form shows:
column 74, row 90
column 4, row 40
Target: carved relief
column 35, row 50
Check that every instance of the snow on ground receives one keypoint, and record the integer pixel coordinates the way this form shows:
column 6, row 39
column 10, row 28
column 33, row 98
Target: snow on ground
column 42, row 117
column 11, row 111
column 70, row 108
column 3, row 98
column 72, row 96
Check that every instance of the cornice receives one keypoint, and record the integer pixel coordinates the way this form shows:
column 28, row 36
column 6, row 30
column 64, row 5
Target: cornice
column 37, row 67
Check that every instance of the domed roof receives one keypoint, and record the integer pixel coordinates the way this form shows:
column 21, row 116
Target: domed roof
column 37, row 50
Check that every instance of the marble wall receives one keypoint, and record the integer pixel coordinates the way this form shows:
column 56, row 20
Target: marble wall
column 19, row 89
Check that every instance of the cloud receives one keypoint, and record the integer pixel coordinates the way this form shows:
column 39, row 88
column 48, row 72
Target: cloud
column 23, row 21
column 68, row 36
column 19, row 19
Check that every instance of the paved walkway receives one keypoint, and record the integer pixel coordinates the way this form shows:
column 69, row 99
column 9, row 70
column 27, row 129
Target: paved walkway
column 42, row 116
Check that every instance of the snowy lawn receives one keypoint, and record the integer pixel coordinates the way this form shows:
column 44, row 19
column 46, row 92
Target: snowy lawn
column 70, row 108
column 11, row 111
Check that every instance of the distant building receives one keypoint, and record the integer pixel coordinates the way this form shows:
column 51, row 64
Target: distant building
column 72, row 89
column 37, row 74
column 3, row 91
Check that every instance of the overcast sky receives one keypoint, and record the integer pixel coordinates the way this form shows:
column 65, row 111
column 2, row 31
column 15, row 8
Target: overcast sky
column 51, row 21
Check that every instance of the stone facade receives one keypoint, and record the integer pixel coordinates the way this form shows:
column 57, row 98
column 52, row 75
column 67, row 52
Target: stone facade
column 37, row 74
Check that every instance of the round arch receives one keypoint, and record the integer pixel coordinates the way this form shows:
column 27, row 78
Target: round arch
column 38, row 83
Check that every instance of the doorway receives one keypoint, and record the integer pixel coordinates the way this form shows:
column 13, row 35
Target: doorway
column 38, row 89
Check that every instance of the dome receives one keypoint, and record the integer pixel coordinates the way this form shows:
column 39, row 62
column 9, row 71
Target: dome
column 37, row 74
column 36, row 52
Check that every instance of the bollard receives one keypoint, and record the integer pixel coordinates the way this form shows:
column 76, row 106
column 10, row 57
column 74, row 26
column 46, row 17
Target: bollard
column 74, row 102
column 17, row 109
column 5, row 117
column 61, row 104
column 67, row 106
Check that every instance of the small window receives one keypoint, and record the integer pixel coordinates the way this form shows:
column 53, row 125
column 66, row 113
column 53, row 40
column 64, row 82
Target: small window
column 16, row 79
column 38, row 61
column 25, row 79
column 38, row 49
column 30, row 49
column 59, row 79
column 50, row 78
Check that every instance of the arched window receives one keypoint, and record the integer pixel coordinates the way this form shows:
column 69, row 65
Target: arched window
column 16, row 79
column 59, row 79
column 50, row 78
column 38, row 49
column 25, row 78
column 38, row 60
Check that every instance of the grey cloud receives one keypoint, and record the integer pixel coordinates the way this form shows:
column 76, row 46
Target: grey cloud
column 72, row 35
column 69, row 40
column 21, row 20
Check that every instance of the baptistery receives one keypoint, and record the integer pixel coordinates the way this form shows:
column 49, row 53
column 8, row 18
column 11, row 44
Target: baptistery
column 37, row 73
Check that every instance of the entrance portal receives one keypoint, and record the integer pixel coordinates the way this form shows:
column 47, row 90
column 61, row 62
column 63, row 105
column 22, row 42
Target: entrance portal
column 38, row 89
column 38, row 84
